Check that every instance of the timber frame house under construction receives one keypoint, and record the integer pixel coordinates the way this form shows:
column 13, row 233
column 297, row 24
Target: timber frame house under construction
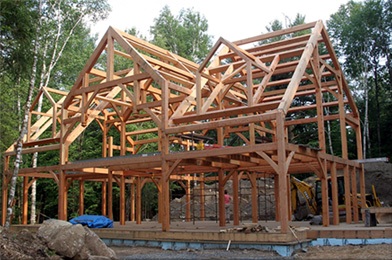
column 248, row 89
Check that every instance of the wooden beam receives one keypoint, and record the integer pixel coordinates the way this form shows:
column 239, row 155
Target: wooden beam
column 301, row 67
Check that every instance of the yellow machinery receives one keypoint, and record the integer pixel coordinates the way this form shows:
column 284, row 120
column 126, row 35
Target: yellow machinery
column 306, row 200
column 303, row 199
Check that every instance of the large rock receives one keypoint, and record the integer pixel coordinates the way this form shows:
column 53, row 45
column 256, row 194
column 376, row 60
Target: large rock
column 73, row 241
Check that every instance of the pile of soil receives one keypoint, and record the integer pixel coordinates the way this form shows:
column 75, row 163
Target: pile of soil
column 23, row 245
column 380, row 175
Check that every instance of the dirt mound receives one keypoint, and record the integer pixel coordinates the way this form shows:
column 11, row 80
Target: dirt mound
column 380, row 175
column 23, row 245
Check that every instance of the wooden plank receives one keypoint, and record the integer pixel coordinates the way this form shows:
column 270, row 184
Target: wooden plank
column 276, row 33
column 263, row 107
column 301, row 67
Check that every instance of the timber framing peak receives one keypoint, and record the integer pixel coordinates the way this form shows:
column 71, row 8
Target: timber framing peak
column 231, row 115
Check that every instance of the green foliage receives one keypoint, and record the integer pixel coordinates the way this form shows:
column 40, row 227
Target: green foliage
column 277, row 25
column 185, row 35
column 361, row 33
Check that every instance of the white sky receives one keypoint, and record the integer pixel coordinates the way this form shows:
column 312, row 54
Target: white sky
column 230, row 19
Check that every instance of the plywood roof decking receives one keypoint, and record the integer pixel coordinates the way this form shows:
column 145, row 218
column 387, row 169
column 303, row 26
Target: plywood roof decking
column 251, row 89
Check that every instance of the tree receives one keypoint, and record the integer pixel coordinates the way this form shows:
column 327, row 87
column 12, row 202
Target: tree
column 185, row 35
column 56, row 22
column 361, row 33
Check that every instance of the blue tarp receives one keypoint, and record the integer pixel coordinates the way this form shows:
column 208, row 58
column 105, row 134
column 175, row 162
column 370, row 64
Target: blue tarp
column 93, row 221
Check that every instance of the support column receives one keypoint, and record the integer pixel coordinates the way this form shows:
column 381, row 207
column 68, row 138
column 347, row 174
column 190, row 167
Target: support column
column 4, row 200
column 4, row 189
column 122, row 199
column 255, row 198
column 62, row 204
column 354, row 194
column 236, row 201
column 133, row 197
column 103, row 199
column 25, row 199
column 283, row 205
column 202, row 198
column 188, row 200
column 335, row 199
column 221, row 199
column 138, row 200
column 110, row 195
column 164, row 194
column 277, row 197
column 347, row 194
column 289, row 206
column 362, row 188
column 81, row 197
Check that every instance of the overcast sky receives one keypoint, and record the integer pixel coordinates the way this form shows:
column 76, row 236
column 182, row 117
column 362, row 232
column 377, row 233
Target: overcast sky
column 232, row 20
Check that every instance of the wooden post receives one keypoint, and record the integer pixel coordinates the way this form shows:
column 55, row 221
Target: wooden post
column 354, row 194
column 335, row 199
column 281, row 149
column 325, row 206
column 324, row 193
column 289, row 206
column 342, row 119
column 188, row 200
column 4, row 201
column 132, row 199
column 255, row 197
column 104, row 201
column 277, row 197
column 320, row 116
column 202, row 198
column 81, row 197
column 160, row 201
column 362, row 188
column 221, row 199
column 110, row 195
column 164, row 194
column 122, row 199
column 236, row 201
column 104, row 138
column 138, row 200
column 62, row 205
column 347, row 194
column 110, row 152
column 25, row 199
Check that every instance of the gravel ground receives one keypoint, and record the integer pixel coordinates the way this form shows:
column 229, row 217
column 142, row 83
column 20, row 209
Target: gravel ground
column 156, row 253
column 383, row 251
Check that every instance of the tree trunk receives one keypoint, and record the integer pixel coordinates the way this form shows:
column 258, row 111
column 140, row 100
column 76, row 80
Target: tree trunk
column 378, row 107
column 366, row 140
column 19, row 141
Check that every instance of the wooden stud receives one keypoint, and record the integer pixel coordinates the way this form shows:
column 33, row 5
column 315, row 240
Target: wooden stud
column 62, row 194
column 236, row 201
column 362, row 187
column 110, row 195
column 25, row 200
column 188, row 200
column 81, row 197
column 347, row 194
column 122, row 200
column 335, row 202
column 139, row 200
column 354, row 192
column 283, row 206
column 255, row 197
column 221, row 199
column 103, row 198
